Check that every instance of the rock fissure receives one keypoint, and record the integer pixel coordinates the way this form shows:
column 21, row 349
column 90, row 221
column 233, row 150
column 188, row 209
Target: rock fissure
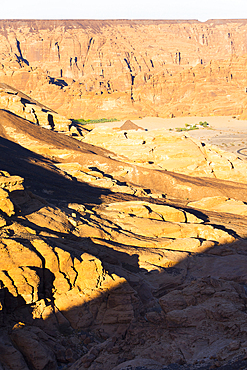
column 11, row 280
column 61, row 270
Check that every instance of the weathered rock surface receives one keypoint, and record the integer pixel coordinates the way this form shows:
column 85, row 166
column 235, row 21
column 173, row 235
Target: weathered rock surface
column 221, row 204
column 106, row 264
column 122, row 68
column 22, row 105
column 163, row 150
column 99, row 167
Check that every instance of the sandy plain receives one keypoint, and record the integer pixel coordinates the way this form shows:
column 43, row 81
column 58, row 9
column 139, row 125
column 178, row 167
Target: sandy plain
column 227, row 132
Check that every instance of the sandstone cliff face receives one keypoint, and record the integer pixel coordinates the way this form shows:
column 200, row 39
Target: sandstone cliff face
column 90, row 69
column 21, row 105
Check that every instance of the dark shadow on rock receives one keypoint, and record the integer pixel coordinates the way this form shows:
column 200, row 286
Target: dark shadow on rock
column 88, row 340
column 58, row 82
column 146, row 287
column 97, row 336
column 39, row 174
column 26, row 101
column 60, row 141
column 51, row 121
column 20, row 56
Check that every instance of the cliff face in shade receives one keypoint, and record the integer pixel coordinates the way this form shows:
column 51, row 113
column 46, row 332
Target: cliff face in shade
column 122, row 68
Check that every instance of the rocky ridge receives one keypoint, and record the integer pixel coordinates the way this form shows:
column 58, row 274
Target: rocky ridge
column 109, row 264
column 23, row 106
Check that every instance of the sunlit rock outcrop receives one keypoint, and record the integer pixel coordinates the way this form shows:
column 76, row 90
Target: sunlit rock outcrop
column 127, row 68
column 108, row 261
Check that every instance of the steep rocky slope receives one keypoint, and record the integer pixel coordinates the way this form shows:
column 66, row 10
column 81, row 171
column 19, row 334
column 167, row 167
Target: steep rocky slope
column 22, row 105
column 108, row 264
column 92, row 69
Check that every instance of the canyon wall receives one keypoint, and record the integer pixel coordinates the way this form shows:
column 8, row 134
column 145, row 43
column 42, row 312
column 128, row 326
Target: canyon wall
column 119, row 68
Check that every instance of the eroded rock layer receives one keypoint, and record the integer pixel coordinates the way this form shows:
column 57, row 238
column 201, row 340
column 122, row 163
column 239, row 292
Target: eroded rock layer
column 123, row 68
column 108, row 264
column 170, row 151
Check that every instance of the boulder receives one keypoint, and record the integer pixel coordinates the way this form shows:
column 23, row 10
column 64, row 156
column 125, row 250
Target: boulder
column 31, row 343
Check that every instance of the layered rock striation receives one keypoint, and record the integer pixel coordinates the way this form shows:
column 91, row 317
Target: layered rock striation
column 123, row 68
column 21, row 105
